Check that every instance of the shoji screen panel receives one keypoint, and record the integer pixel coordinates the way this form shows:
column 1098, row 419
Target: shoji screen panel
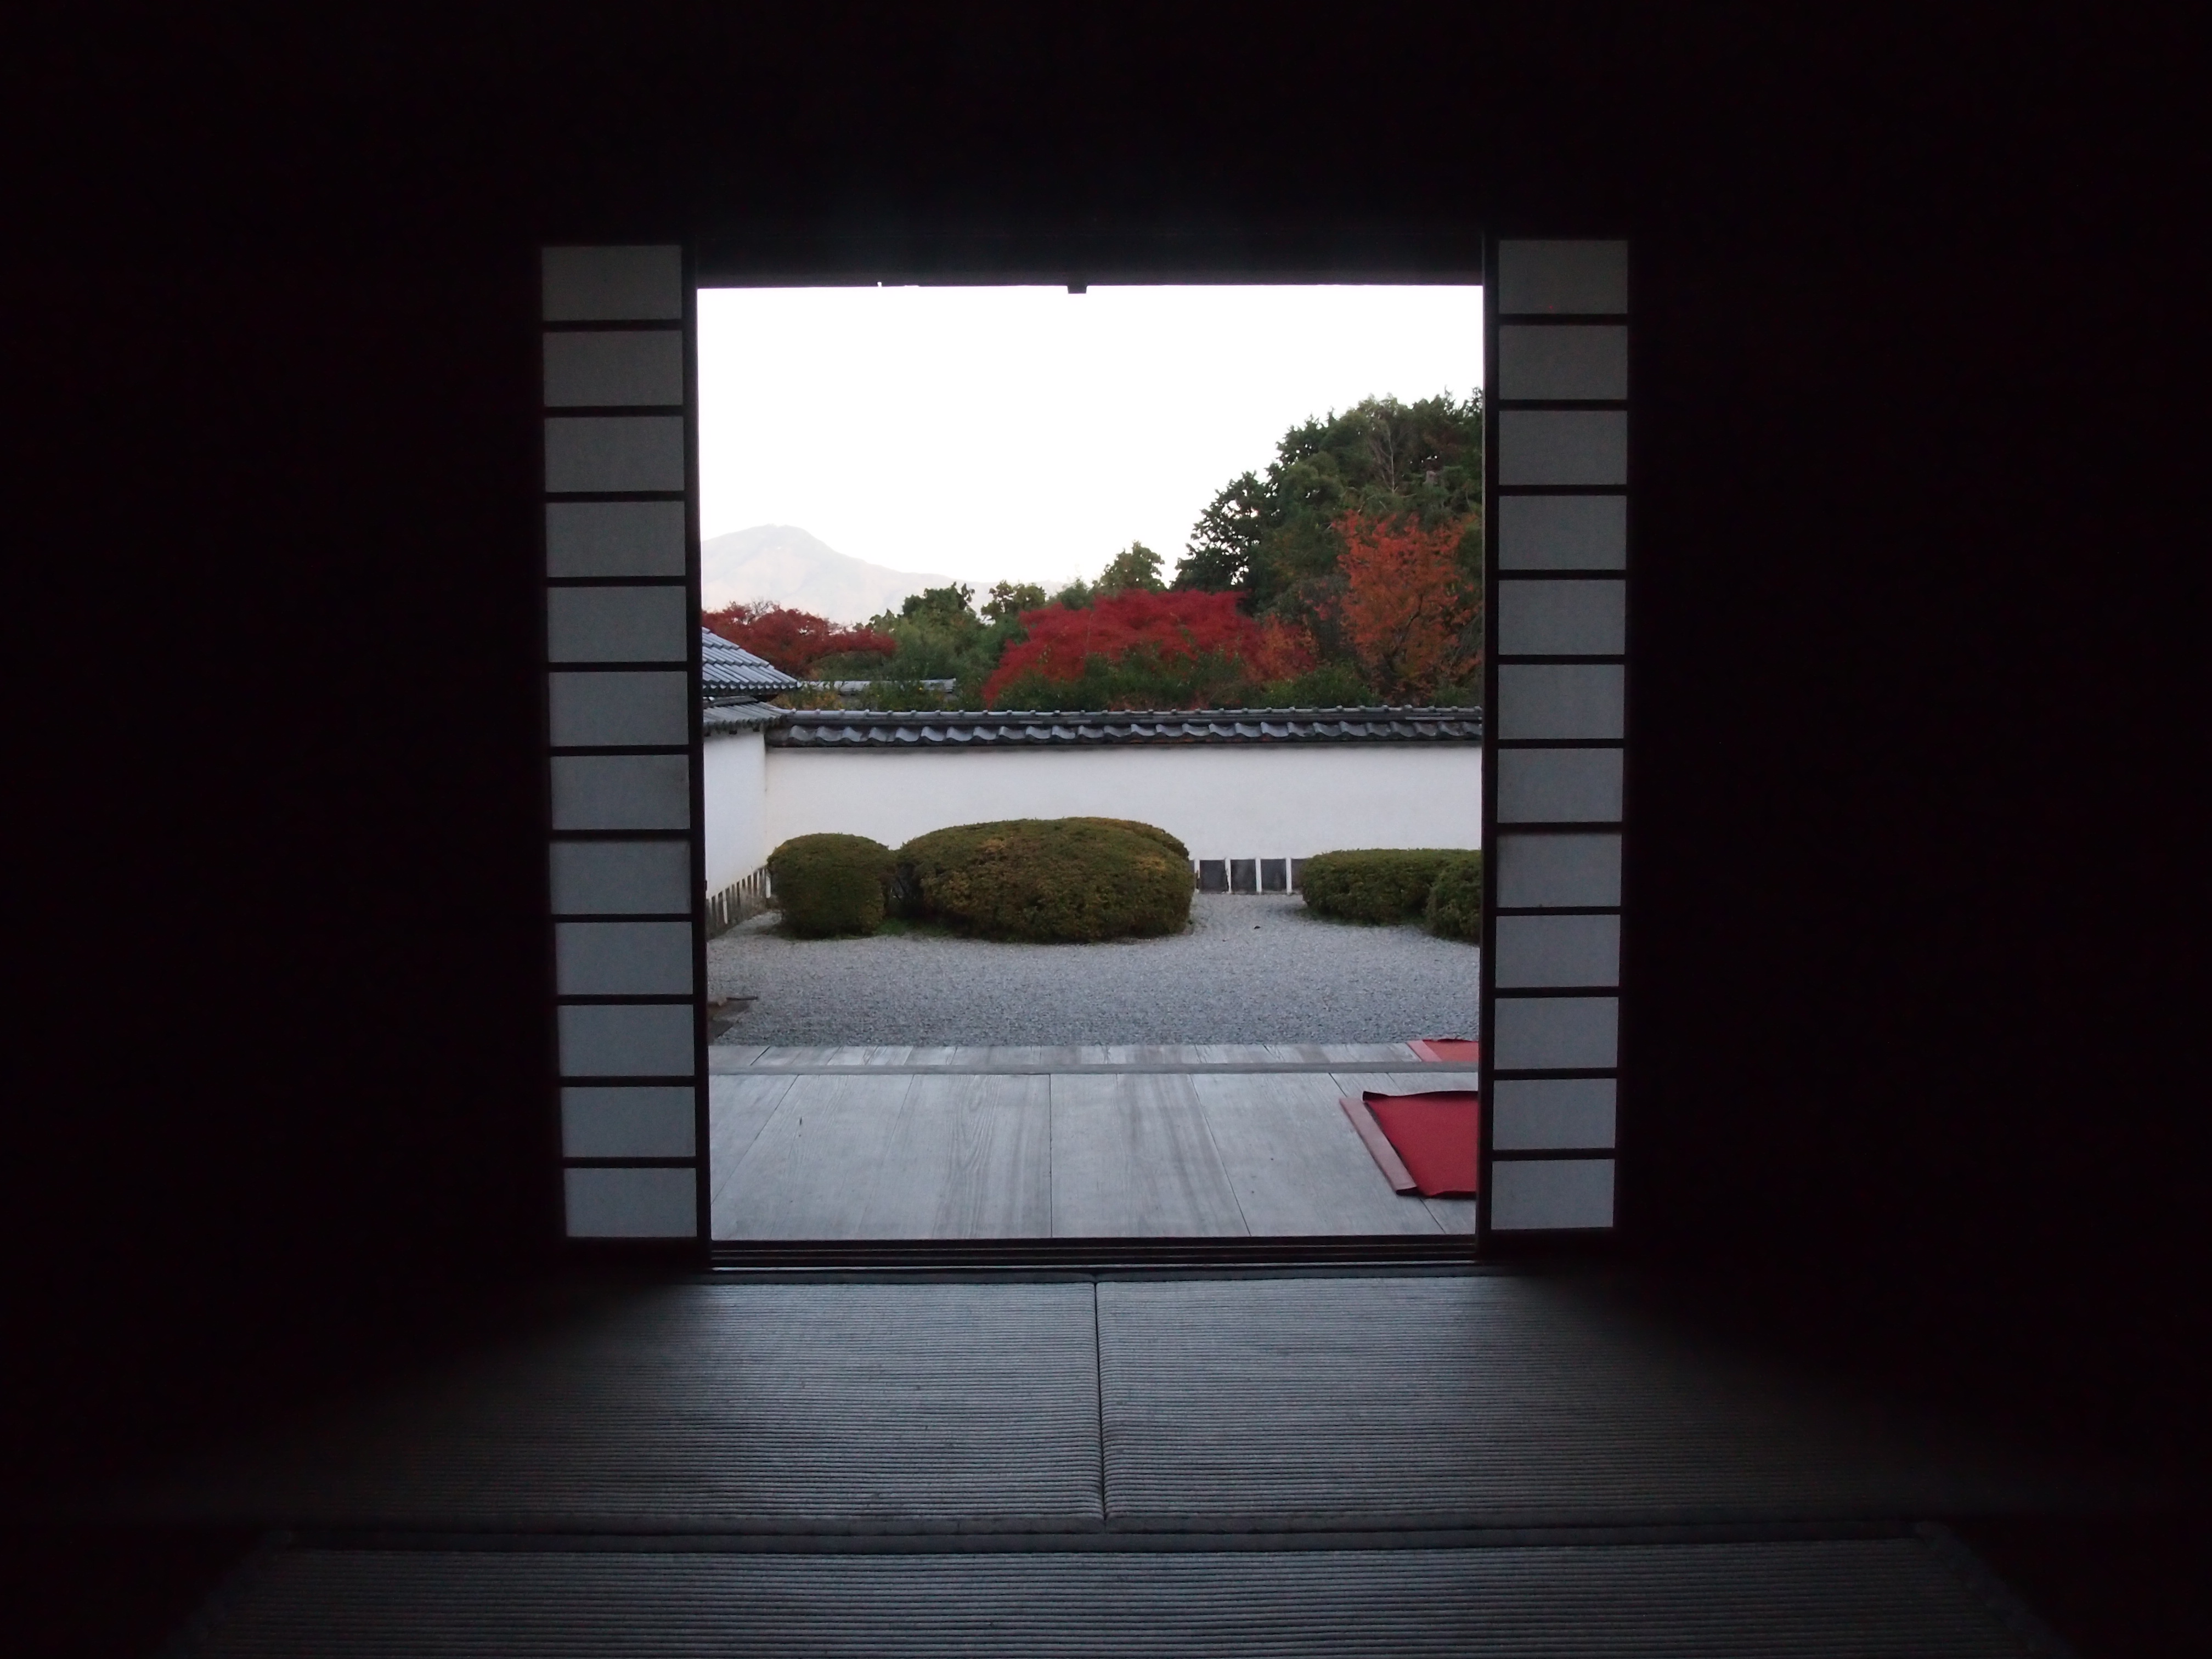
column 622, row 638
column 1557, row 654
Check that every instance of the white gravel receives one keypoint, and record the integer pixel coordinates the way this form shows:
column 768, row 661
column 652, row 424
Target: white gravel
column 1249, row 969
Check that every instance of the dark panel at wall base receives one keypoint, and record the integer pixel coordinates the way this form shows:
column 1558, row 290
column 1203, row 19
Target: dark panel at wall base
column 112, row 1592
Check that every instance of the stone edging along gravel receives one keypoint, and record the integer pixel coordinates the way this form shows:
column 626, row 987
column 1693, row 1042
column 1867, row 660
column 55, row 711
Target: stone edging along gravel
column 1249, row 969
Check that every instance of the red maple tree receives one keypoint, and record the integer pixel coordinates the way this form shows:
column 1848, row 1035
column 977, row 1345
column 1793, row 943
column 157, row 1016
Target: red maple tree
column 1404, row 604
column 1181, row 625
column 794, row 640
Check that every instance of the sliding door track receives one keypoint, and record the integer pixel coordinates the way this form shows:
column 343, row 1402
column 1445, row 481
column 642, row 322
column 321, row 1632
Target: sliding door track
column 1095, row 1254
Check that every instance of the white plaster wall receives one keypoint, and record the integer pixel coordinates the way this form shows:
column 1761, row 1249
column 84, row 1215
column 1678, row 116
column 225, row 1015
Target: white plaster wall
column 738, row 841
column 1290, row 801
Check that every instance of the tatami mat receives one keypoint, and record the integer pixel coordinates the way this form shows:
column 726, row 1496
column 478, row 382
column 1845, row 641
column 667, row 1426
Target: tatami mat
column 1162, row 1405
column 1482, row 1400
column 1882, row 1599
column 710, row 1406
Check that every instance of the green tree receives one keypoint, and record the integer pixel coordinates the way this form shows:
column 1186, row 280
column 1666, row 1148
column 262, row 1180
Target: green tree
column 1226, row 539
column 1136, row 566
column 1269, row 538
column 950, row 605
column 1008, row 600
column 940, row 636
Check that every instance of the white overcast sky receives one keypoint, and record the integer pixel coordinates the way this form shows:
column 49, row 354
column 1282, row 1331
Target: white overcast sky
column 1028, row 434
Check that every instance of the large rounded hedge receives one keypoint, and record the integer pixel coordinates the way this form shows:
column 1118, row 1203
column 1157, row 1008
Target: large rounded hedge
column 1150, row 832
column 1454, row 906
column 1384, row 885
column 829, row 884
column 1049, row 880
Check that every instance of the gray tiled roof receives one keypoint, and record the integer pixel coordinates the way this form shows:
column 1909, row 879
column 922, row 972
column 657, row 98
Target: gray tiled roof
column 730, row 720
column 729, row 670
column 840, row 729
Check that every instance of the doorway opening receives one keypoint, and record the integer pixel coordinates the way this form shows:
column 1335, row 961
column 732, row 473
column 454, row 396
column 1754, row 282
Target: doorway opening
column 1131, row 638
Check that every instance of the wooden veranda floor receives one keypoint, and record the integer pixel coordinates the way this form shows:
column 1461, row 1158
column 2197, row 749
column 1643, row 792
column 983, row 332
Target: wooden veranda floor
column 1098, row 1142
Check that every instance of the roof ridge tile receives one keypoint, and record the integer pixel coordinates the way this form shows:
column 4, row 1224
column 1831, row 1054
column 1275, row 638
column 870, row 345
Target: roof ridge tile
column 1030, row 728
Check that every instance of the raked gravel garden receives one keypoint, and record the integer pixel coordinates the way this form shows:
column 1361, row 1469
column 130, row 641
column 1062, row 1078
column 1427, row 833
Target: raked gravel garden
column 1248, row 968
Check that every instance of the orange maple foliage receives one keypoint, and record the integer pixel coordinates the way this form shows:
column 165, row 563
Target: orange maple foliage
column 1181, row 625
column 1283, row 651
column 1406, row 604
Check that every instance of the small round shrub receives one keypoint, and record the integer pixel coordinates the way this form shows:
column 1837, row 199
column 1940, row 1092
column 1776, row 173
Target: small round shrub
column 1455, row 907
column 1384, row 885
column 829, row 884
column 1048, row 880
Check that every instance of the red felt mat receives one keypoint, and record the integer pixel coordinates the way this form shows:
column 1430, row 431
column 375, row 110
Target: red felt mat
column 1451, row 1050
column 1435, row 1135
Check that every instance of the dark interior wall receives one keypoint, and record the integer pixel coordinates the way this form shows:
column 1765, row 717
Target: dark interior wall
column 1915, row 975
column 1918, row 585
column 282, row 1039
column 1914, row 966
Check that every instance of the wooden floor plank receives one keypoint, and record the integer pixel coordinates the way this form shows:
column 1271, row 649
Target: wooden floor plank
column 969, row 1158
column 1035, row 1056
column 784, row 1055
column 1368, row 1053
column 1428, row 1080
column 1038, row 1057
column 1143, row 1053
column 1132, row 1159
column 1296, row 1164
column 1181, row 1054
column 1454, row 1215
column 734, row 1056
column 817, row 1163
column 901, row 1153
column 737, row 1110
column 854, row 1054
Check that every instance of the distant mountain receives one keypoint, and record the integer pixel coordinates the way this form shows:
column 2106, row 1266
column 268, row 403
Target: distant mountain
column 781, row 563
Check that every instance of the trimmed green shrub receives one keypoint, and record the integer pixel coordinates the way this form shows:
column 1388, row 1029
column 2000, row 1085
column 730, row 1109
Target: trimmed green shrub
column 1150, row 832
column 1455, row 907
column 1384, row 885
column 1049, row 880
column 829, row 884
